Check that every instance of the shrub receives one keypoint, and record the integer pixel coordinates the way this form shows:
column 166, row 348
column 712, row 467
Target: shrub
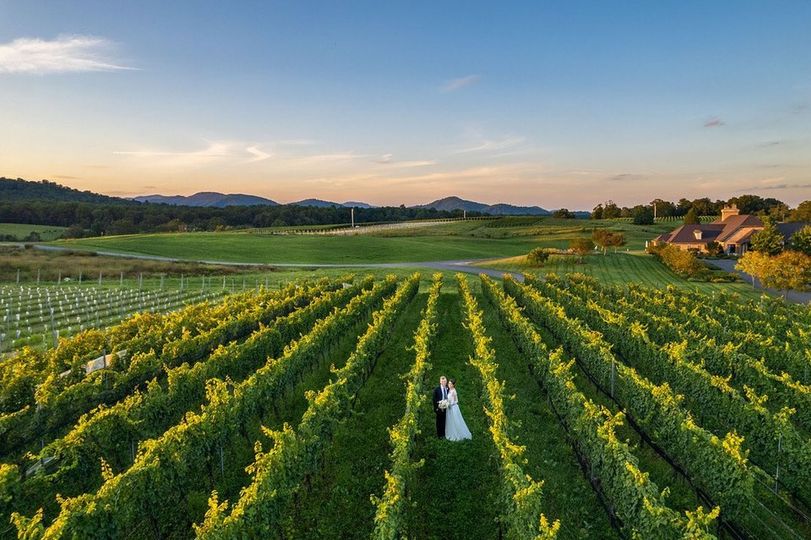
column 538, row 256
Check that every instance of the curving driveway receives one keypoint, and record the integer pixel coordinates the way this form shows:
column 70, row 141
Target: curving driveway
column 729, row 266
column 464, row 266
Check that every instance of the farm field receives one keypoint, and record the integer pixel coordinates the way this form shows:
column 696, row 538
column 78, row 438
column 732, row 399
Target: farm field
column 473, row 239
column 304, row 411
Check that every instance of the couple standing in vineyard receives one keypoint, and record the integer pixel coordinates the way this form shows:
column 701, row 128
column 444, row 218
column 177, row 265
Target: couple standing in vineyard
column 449, row 422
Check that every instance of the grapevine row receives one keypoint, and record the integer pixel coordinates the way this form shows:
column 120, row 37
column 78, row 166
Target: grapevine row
column 521, row 497
column 390, row 514
column 773, row 442
column 278, row 474
column 778, row 353
column 726, row 360
column 108, row 386
column 112, row 433
column 633, row 498
column 174, row 462
column 717, row 466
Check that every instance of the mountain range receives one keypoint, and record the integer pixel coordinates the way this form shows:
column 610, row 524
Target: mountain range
column 237, row 199
column 20, row 190
column 500, row 209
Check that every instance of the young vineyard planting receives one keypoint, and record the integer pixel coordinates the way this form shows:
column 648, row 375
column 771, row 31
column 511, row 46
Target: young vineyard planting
column 596, row 411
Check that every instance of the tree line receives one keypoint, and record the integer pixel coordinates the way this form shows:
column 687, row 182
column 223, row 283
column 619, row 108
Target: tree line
column 93, row 219
column 642, row 214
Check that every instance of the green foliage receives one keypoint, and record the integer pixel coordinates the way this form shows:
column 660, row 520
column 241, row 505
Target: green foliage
column 711, row 398
column 538, row 256
column 127, row 499
column 634, row 498
column 718, row 465
column 390, row 519
column 768, row 240
column 521, row 497
column 801, row 241
column 642, row 215
column 563, row 213
column 682, row 262
column 277, row 474
column 691, row 217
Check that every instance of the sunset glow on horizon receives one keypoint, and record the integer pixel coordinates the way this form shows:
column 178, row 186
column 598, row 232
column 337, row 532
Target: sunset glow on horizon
column 527, row 103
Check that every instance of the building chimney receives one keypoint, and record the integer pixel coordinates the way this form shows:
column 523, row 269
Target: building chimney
column 729, row 211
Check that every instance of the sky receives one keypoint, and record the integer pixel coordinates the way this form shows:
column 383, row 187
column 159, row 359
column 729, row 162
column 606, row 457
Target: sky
column 557, row 104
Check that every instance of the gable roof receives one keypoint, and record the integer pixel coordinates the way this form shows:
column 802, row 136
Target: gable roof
column 686, row 234
column 734, row 223
column 789, row 229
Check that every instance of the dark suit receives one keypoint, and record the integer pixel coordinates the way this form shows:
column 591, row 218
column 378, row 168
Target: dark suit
column 440, row 414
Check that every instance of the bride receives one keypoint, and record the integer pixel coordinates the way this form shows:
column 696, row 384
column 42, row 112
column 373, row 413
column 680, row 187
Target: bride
column 455, row 427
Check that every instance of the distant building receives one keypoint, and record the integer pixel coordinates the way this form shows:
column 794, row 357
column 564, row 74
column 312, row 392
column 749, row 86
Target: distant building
column 733, row 231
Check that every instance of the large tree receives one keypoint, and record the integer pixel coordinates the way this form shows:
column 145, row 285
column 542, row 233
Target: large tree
column 642, row 215
column 768, row 240
column 801, row 241
column 691, row 218
column 790, row 270
column 802, row 212
column 581, row 247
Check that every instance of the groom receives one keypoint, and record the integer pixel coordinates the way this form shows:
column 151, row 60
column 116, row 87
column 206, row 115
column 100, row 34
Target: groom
column 440, row 393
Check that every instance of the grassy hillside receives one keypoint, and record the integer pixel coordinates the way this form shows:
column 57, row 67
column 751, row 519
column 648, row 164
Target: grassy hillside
column 505, row 237
column 618, row 269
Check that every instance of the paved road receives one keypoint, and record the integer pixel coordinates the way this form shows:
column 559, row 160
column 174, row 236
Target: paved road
column 465, row 266
column 792, row 296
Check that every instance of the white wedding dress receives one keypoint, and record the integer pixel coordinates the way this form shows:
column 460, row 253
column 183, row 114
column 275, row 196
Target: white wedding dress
column 455, row 427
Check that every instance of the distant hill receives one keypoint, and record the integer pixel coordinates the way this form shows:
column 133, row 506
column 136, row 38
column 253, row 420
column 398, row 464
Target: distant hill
column 23, row 190
column 208, row 198
column 320, row 203
column 501, row 209
column 317, row 203
column 358, row 204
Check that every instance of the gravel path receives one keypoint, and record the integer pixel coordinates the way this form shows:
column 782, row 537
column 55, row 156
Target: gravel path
column 729, row 266
column 465, row 266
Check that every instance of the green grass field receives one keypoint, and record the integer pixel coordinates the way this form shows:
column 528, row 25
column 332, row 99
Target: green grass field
column 504, row 237
column 618, row 269
column 21, row 231
column 269, row 249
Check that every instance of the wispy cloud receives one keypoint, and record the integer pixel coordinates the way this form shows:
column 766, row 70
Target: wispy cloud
column 714, row 122
column 462, row 82
column 65, row 54
column 627, row 177
column 215, row 151
column 388, row 159
column 491, row 145
column 257, row 153
column 771, row 186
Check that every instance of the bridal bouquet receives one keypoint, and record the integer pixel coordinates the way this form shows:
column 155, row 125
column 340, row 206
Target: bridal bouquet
column 443, row 405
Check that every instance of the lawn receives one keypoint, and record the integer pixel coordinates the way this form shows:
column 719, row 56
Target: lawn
column 474, row 239
column 304, row 249
column 21, row 231
column 617, row 269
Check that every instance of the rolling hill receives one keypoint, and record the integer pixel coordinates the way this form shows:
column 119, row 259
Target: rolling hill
column 501, row 209
column 207, row 198
column 12, row 190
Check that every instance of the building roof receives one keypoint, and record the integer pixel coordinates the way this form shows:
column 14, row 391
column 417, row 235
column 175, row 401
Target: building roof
column 686, row 234
column 789, row 229
column 734, row 223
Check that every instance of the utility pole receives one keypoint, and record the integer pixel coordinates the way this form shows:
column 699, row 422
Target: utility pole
column 352, row 210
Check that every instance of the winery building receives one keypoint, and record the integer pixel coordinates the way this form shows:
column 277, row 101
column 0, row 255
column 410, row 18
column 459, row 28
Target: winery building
column 733, row 232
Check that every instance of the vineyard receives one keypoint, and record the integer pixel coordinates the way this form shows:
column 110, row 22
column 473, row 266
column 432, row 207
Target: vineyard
column 597, row 411
column 38, row 316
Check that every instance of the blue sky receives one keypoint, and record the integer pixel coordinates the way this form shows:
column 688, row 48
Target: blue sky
column 556, row 104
